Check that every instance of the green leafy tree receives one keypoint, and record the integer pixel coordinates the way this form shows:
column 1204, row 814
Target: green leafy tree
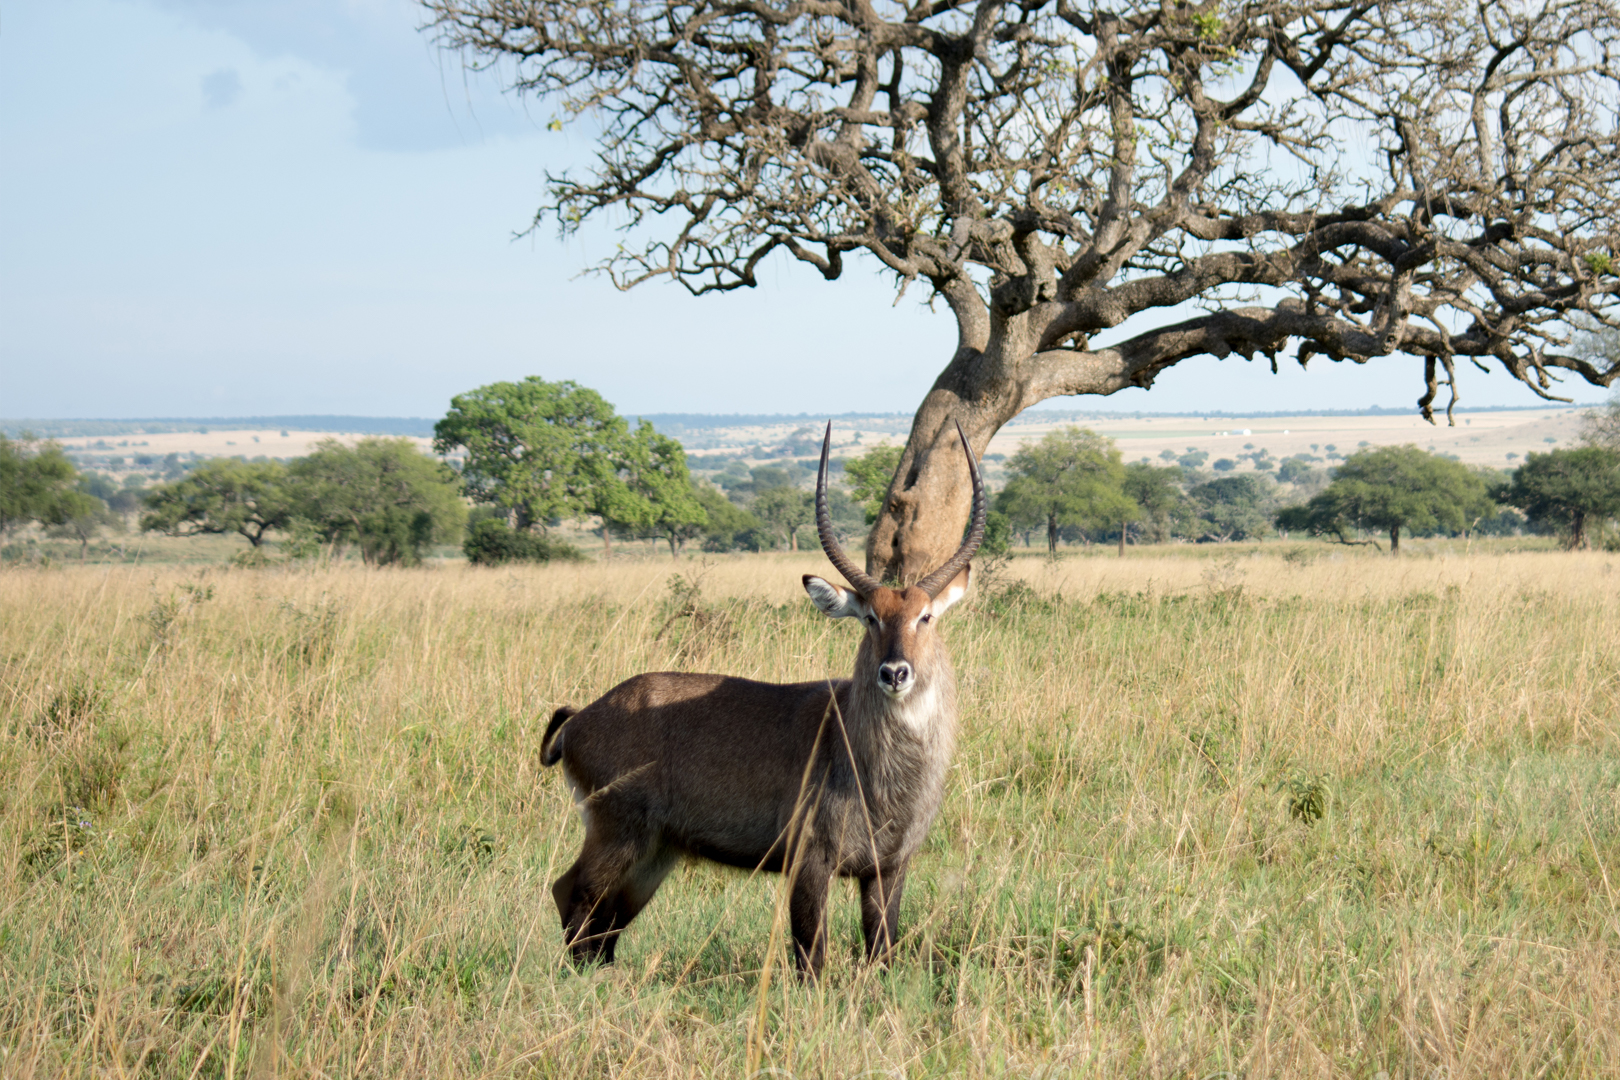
column 1233, row 507
column 1071, row 477
column 38, row 483
column 382, row 495
column 728, row 526
column 1157, row 494
column 665, row 502
column 224, row 495
column 1389, row 489
column 87, row 512
column 542, row 451
column 785, row 510
column 1567, row 490
column 869, row 478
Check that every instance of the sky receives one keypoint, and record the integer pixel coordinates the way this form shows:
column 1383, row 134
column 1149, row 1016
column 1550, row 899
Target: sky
column 295, row 207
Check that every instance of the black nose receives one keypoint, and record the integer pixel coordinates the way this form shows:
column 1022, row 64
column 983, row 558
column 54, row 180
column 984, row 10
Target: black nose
column 894, row 674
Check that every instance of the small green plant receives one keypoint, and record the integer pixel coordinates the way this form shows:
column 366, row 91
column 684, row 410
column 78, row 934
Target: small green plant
column 1307, row 797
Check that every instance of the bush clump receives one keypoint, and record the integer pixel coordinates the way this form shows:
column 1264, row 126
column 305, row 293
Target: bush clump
column 491, row 542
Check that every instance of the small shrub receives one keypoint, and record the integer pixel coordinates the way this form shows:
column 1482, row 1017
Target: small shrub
column 1307, row 798
column 491, row 542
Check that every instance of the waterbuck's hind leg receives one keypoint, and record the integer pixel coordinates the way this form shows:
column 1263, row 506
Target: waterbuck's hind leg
column 880, row 912
column 619, row 868
column 640, row 883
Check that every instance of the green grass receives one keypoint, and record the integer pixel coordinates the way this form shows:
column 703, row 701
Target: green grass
column 1256, row 816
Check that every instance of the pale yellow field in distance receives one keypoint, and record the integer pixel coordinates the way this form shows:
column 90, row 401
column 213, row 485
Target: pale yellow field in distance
column 1320, row 814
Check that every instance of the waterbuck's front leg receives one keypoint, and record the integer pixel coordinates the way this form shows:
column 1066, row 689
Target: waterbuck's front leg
column 880, row 911
column 807, row 909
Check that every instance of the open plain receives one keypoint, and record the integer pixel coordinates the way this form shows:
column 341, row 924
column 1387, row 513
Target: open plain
column 1295, row 812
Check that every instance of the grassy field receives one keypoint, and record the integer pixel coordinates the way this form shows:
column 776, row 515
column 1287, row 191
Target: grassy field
column 1276, row 815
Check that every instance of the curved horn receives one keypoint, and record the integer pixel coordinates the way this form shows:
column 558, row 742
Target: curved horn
column 863, row 584
column 943, row 576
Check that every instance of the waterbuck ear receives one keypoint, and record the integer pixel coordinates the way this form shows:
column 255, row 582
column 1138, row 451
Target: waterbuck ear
column 834, row 602
column 951, row 593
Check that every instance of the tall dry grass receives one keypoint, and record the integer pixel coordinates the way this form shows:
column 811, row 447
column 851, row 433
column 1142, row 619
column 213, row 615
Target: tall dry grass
column 1263, row 816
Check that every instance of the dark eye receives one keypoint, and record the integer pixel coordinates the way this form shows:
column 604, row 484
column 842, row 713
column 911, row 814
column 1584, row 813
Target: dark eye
column 926, row 619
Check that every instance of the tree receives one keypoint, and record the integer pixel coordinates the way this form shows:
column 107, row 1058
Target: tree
column 382, row 495
column 657, row 475
column 1233, row 507
column 786, row 510
column 728, row 525
column 1071, row 477
column 1567, row 490
column 870, row 476
column 1391, row 488
column 1157, row 494
column 541, row 450
column 224, row 495
column 1050, row 170
column 38, row 483
column 87, row 511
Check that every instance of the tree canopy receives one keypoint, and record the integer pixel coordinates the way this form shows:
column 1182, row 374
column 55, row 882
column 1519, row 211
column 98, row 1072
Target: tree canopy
column 249, row 498
column 542, row 450
column 1070, row 477
column 659, row 485
column 1391, row 488
column 39, row 483
column 1156, row 491
column 1233, row 507
column 1320, row 178
column 382, row 495
column 1566, row 490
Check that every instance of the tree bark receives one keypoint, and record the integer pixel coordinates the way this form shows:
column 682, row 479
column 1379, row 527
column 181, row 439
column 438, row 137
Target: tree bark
column 1394, row 539
column 1004, row 363
column 1122, row 539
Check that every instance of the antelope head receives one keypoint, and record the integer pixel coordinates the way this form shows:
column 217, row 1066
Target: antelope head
column 900, row 623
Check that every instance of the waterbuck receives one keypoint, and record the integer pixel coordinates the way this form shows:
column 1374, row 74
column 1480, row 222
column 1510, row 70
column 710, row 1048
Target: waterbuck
column 811, row 780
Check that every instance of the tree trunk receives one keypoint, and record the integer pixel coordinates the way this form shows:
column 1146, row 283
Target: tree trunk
column 607, row 544
column 1122, row 539
column 1005, row 363
column 1577, row 531
column 1394, row 539
column 1051, row 534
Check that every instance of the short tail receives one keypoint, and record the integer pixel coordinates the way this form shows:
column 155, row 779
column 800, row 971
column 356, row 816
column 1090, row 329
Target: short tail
column 550, row 749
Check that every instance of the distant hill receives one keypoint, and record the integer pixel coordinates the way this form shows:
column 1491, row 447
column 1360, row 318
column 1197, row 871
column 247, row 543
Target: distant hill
column 675, row 424
column 356, row 425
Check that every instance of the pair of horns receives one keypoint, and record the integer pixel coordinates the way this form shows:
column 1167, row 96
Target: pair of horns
column 863, row 582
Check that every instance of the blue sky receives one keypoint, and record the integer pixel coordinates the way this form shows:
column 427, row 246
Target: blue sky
column 235, row 207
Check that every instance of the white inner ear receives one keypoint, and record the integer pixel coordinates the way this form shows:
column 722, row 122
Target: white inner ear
column 952, row 592
column 834, row 602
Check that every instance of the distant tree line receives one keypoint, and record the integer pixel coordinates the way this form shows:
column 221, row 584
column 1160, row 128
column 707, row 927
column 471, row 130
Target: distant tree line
column 530, row 455
column 1072, row 486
